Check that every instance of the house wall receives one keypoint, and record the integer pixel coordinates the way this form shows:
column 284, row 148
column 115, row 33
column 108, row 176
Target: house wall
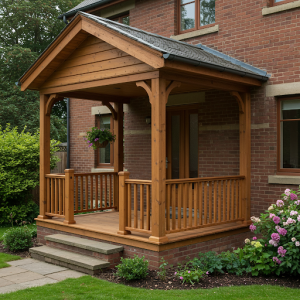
column 267, row 42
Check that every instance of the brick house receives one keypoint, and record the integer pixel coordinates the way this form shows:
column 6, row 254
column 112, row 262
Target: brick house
column 231, row 132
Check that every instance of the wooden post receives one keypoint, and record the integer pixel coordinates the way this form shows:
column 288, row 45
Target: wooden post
column 118, row 148
column 69, row 197
column 44, row 154
column 245, row 153
column 123, row 204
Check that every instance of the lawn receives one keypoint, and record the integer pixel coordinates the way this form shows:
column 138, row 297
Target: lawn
column 7, row 257
column 88, row 287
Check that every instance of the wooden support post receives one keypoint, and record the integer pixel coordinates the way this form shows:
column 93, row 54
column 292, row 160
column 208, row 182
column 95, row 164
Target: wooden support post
column 245, row 153
column 123, row 204
column 44, row 155
column 69, row 197
column 118, row 149
column 158, row 96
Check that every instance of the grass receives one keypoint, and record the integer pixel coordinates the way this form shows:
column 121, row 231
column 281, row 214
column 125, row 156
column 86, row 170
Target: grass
column 4, row 228
column 88, row 287
column 7, row 257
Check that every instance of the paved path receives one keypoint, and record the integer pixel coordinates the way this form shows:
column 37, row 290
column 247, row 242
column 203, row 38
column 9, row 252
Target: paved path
column 30, row 272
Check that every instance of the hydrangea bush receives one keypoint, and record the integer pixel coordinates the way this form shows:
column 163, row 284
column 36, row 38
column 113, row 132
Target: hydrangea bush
column 278, row 249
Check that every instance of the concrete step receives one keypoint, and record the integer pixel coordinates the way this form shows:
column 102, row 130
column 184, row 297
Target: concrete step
column 74, row 261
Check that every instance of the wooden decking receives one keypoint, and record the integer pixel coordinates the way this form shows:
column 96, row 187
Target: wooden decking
column 105, row 225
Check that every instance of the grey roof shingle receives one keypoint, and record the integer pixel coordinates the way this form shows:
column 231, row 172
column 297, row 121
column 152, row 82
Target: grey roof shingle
column 197, row 54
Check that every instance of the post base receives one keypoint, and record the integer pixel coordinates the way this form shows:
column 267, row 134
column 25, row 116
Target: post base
column 158, row 239
column 69, row 222
column 123, row 232
column 43, row 217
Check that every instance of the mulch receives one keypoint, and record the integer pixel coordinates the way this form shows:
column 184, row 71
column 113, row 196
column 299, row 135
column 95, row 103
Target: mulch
column 153, row 282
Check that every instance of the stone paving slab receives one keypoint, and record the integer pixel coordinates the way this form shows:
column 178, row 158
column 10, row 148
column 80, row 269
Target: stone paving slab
column 11, row 271
column 23, row 277
column 10, row 288
column 38, row 282
column 43, row 268
column 65, row 274
column 4, row 282
column 22, row 262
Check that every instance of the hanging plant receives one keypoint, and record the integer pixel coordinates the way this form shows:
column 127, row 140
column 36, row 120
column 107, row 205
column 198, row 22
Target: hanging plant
column 99, row 138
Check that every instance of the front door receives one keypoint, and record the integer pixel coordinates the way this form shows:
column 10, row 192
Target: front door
column 182, row 143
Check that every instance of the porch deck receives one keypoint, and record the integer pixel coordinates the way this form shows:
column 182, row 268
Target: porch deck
column 105, row 226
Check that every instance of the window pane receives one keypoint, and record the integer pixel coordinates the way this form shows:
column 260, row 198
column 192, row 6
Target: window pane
column 207, row 12
column 188, row 16
column 290, row 144
column 278, row 1
column 104, row 152
column 186, row 1
column 175, row 133
column 125, row 20
column 193, row 145
column 290, row 109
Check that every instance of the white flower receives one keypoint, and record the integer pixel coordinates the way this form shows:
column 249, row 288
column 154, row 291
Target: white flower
column 271, row 207
column 293, row 239
column 298, row 218
column 297, row 244
column 281, row 212
column 285, row 223
column 247, row 241
column 287, row 192
column 293, row 213
column 285, row 197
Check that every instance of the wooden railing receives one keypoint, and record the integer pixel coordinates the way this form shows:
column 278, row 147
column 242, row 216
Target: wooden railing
column 200, row 202
column 135, row 204
column 96, row 191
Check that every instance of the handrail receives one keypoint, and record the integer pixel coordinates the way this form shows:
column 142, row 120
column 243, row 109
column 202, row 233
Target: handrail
column 201, row 179
column 95, row 173
column 137, row 181
column 55, row 175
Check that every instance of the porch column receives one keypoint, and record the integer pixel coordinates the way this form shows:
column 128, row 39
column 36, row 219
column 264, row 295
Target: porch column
column 44, row 153
column 118, row 149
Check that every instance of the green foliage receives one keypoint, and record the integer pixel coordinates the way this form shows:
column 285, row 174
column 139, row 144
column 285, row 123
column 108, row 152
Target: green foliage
column 19, row 169
column 162, row 273
column 232, row 264
column 133, row 268
column 33, row 232
column 190, row 276
column 17, row 239
column 99, row 135
column 209, row 261
column 277, row 251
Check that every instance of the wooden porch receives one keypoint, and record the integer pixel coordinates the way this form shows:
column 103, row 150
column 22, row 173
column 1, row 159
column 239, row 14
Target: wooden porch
column 91, row 61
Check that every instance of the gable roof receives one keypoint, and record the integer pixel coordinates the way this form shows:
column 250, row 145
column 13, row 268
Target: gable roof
column 176, row 50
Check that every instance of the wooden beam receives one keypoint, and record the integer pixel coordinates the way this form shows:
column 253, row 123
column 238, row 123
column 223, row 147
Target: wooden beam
column 142, row 52
column 213, row 74
column 95, row 97
column 204, row 82
column 239, row 100
column 44, row 155
column 101, row 82
column 113, row 112
column 50, row 54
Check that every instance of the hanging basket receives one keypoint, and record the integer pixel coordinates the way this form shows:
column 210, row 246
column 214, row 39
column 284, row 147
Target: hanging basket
column 101, row 145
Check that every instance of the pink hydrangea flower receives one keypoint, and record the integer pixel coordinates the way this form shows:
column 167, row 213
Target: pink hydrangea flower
column 298, row 218
column 290, row 221
column 271, row 216
column 297, row 244
column 293, row 213
column 254, row 238
column 276, row 220
column 275, row 237
column 282, row 231
column 207, row 273
column 273, row 243
column 287, row 192
column 281, row 251
column 276, row 260
column 181, row 277
column 252, row 227
column 279, row 203
column 293, row 196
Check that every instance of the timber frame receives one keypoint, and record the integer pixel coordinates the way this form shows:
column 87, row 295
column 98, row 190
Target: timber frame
column 73, row 67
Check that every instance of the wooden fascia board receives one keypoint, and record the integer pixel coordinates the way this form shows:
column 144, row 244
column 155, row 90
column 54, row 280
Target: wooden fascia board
column 205, row 82
column 145, row 54
column 50, row 54
column 210, row 73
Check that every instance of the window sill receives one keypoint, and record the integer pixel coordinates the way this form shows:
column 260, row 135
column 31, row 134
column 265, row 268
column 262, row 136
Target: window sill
column 278, row 8
column 99, row 170
column 284, row 179
column 196, row 33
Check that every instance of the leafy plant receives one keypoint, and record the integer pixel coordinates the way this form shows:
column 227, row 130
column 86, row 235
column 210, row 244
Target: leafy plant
column 132, row 268
column 209, row 261
column 17, row 239
column 99, row 136
column 190, row 276
column 231, row 263
column 162, row 273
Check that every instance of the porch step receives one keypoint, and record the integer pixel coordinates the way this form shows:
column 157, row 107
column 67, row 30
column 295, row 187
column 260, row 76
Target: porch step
column 74, row 261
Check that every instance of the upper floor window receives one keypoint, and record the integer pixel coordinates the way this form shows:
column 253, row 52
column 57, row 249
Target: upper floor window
column 289, row 135
column 122, row 19
column 277, row 2
column 197, row 13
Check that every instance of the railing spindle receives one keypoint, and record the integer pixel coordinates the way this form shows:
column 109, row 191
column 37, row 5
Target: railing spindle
column 135, row 204
column 210, row 202
column 142, row 206
column 190, row 186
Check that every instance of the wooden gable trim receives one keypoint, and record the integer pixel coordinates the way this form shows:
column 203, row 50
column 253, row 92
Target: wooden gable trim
column 50, row 54
column 145, row 54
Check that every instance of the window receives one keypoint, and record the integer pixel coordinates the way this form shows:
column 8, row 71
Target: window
column 105, row 155
column 278, row 2
column 197, row 13
column 289, row 135
column 122, row 19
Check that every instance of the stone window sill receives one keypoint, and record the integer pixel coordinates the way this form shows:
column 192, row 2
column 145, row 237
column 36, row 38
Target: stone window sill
column 284, row 179
column 196, row 33
column 99, row 170
column 278, row 8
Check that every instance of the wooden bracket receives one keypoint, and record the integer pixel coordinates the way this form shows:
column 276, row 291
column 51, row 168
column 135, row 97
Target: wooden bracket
column 109, row 106
column 239, row 100
column 51, row 101
column 146, row 87
column 172, row 85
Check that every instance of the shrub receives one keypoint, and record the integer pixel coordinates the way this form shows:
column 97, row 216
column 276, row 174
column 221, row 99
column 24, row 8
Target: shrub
column 33, row 232
column 209, row 261
column 133, row 268
column 190, row 276
column 232, row 264
column 278, row 248
column 17, row 238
